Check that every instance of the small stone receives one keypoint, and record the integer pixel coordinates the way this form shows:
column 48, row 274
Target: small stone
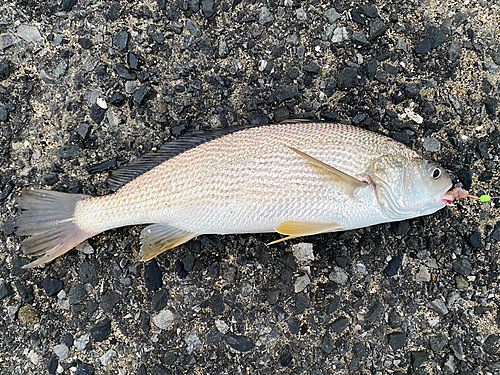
column 412, row 89
column 208, row 8
column 192, row 341
column 492, row 345
column 221, row 326
column 77, row 294
column 81, row 342
column 375, row 313
column 424, row 46
column 153, row 276
column 67, row 5
column 377, row 28
column 87, row 272
column 265, row 16
column 395, row 320
column 120, row 41
column 118, row 99
column 491, row 104
column 301, row 283
column 369, row 11
column 438, row 306
column 423, row 275
column 3, row 113
column 85, row 43
column 432, row 145
column 101, row 330
column 312, row 67
column 258, row 119
column 6, row 40
column 455, row 51
column 34, row 357
column 286, row 92
column 217, row 304
column 50, row 179
column 397, row 340
column 4, row 69
column 109, row 300
column 327, row 343
column 340, row 324
column 332, row 15
column 114, row 11
column 28, row 315
column 97, row 113
column 303, row 251
column 358, row 119
column 338, row 275
column 193, row 27
column 302, row 302
column 164, row 319
column 84, row 369
column 52, row 286
column 359, row 37
column 436, row 36
column 62, row 351
column 461, row 283
column 457, row 347
column 30, row 34
column 334, row 305
column 463, row 267
column 393, row 266
column 356, row 17
column 124, row 73
column 107, row 358
column 347, row 78
column 418, row 358
column 438, row 342
column 206, row 46
column 68, row 152
column 339, row 35
column 239, row 343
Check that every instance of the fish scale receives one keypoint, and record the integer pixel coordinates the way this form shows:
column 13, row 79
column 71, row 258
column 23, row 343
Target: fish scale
column 296, row 178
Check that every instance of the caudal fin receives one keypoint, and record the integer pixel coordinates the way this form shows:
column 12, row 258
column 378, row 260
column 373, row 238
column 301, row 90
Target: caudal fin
column 48, row 218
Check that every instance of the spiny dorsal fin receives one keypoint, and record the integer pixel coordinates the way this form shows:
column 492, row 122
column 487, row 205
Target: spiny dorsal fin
column 349, row 182
column 148, row 161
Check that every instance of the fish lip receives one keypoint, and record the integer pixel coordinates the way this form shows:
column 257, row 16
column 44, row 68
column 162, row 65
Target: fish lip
column 442, row 197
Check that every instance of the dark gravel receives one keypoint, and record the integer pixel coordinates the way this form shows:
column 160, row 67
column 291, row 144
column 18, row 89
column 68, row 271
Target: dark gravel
column 86, row 86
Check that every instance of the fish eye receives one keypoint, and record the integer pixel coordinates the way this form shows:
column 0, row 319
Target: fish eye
column 436, row 173
column 434, row 169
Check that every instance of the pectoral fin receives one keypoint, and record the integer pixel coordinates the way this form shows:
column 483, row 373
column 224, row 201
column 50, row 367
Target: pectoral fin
column 157, row 238
column 348, row 182
column 295, row 229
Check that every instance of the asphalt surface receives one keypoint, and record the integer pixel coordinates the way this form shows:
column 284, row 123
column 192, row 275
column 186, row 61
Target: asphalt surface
column 87, row 86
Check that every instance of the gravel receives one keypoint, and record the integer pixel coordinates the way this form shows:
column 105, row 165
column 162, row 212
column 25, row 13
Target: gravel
column 86, row 87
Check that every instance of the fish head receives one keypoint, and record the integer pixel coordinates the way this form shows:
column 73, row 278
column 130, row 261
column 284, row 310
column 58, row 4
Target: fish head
column 409, row 186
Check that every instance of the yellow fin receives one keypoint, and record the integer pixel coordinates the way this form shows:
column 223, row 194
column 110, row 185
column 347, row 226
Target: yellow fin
column 305, row 228
column 157, row 238
column 349, row 182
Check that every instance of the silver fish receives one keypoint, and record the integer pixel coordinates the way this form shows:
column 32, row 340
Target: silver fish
column 297, row 178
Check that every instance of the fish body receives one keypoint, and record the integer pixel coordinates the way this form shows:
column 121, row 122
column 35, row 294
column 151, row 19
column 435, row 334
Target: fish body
column 298, row 178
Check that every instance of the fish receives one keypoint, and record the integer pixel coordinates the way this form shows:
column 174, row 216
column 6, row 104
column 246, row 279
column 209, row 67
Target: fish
column 297, row 178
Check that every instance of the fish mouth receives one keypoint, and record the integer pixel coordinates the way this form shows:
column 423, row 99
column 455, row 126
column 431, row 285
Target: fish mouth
column 444, row 196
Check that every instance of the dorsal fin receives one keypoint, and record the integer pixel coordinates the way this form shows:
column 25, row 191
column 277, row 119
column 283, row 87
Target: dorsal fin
column 148, row 161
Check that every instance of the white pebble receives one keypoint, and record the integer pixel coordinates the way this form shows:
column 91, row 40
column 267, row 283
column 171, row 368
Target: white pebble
column 62, row 351
column 164, row 319
column 303, row 251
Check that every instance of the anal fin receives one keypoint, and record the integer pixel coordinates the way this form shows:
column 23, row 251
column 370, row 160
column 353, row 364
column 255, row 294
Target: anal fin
column 158, row 238
column 294, row 229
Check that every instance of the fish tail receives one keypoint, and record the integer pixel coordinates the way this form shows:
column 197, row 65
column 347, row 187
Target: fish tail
column 48, row 218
